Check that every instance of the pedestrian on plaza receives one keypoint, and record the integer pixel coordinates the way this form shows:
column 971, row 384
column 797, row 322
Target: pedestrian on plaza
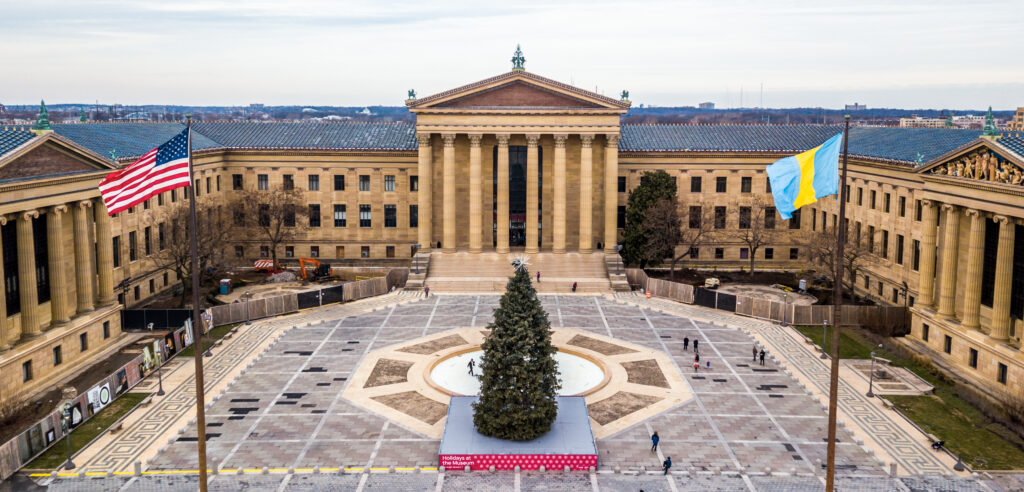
column 696, row 358
column 667, row 464
column 686, row 343
column 754, row 351
column 538, row 277
column 654, row 441
column 696, row 365
column 471, row 364
column 426, row 292
column 574, row 287
column 695, row 342
column 762, row 357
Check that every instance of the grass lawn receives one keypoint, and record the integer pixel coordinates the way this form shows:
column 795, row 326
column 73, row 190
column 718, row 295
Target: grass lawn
column 850, row 346
column 86, row 432
column 215, row 334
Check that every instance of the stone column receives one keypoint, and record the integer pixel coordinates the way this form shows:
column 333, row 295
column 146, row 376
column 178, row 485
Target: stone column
column 532, row 205
column 502, row 205
column 558, row 210
column 83, row 257
column 1000, row 326
column 926, row 280
column 424, row 202
column 105, row 255
column 611, row 192
column 586, row 194
column 27, row 276
column 475, row 195
column 60, row 312
column 448, row 240
column 5, row 335
column 950, row 239
column 975, row 256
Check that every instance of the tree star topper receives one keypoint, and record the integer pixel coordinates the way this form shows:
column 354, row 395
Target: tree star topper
column 520, row 262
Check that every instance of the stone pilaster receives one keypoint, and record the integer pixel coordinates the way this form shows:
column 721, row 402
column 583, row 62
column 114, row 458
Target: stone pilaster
column 5, row 335
column 558, row 210
column 586, row 193
column 929, row 229
column 475, row 196
column 105, row 256
column 502, row 205
column 950, row 240
column 83, row 257
column 532, row 203
column 611, row 192
column 27, row 276
column 1000, row 326
column 60, row 309
column 448, row 241
column 425, row 205
column 975, row 257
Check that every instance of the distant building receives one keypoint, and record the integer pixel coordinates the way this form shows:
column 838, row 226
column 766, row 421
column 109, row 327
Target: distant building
column 1016, row 124
column 969, row 121
column 706, row 105
column 256, row 106
column 916, row 121
column 856, row 107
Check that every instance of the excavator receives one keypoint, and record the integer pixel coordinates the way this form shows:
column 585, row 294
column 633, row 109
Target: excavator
column 320, row 272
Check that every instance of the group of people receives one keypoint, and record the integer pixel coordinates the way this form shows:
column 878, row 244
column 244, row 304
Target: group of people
column 667, row 464
column 696, row 352
column 573, row 284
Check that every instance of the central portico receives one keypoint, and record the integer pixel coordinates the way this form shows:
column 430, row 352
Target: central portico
column 516, row 159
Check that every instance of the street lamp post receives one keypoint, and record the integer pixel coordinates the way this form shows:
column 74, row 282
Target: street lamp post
column 871, row 377
column 247, row 296
column 160, row 377
column 66, row 424
column 785, row 308
column 824, row 337
column 618, row 251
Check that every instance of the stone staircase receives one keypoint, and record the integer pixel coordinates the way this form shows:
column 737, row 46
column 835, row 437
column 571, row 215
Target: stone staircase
column 616, row 273
column 418, row 271
column 489, row 272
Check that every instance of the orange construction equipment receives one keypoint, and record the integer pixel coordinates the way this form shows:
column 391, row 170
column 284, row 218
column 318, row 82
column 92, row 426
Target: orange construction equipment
column 302, row 265
column 320, row 272
column 265, row 266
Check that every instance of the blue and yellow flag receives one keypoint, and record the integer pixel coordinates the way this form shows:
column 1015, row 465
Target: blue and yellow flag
column 804, row 178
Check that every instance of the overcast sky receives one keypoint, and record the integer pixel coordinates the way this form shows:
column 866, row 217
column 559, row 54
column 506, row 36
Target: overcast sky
column 889, row 53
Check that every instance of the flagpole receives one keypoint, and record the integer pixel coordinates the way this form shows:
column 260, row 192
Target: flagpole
column 837, row 310
column 197, row 323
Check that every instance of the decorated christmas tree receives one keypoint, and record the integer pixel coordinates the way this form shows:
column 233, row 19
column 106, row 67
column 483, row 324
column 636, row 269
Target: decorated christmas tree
column 520, row 380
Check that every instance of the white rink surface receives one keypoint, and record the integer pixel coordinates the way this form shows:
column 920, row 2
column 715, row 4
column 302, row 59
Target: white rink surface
column 576, row 374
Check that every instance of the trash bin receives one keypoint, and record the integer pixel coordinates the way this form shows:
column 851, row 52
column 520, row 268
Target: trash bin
column 225, row 286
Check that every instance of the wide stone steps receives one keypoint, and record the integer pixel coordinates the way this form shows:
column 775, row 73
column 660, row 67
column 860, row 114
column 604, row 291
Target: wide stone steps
column 489, row 272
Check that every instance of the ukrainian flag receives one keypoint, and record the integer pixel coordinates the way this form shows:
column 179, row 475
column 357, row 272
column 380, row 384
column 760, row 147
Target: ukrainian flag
column 804, row 178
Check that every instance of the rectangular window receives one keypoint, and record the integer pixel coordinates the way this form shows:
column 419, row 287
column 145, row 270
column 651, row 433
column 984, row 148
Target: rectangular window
column 9, row 238
column 339, row 215
column 874, row 195
column 924, row 331
column 899, row 249
column 414, row 215
column 885, row 244
column 116, row 242
column 314, row 215
column 903, row 206
column 132, row 245
column 720, row 184
column 174, row 196
column 947, row 344
column 1001, row 373
column 314, row 251
column 218, row 182
column 145, row 205
column 746, row 183
column 888, row 202
column 814, row 220
column 264, row 251
column 695, row 184
column 58, row 357
column 414, row 183
column 389, row 182
column 860, row 196
column 207, row 185
column 744, row 253
column 848, row 194
column 694, row 253
column 620, row 217
column 390, row 216
column 917, row 211
column 160, row 237
column 794, row 220
column 744, row 217
column 767, row 186
column 152, row 286
column 695, row 213
column 289, row 251
column 895, row 295
column 239, row 251
column 719, row 217
column 719, row 253
column 314, row 182
column 364, row 251
column 147, row 237
column 972, row 358
column 794, row 253
column 621, row 184
column 365, row 220
column 871, row 237
column 389, row 251
column 769, row 253
column 769, row 217
column 262, row 182
column 364, row 182
column 138, row 295
column 990, row 250
column 915, row 255
column 26, row 371
column 289, row 215
column 83, row 341
column 288, row 182
column 339, row 182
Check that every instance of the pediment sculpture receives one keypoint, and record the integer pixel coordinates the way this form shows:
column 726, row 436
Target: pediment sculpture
column 982, row 165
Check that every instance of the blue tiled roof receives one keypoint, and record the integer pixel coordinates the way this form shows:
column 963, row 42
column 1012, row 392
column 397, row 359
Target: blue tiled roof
column 12, row 139
column 904, row 144
column 126, row 139
column 325, row 136
column 1014, row 142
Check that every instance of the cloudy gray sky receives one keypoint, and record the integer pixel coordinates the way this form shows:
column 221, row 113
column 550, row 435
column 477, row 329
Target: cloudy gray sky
column 889, row 53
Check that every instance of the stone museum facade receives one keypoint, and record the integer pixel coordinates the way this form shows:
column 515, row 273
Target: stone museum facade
column 516, row 162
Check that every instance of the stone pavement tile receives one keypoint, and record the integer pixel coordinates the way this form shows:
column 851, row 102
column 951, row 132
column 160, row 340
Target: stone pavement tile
column 276, row 365
column 701, row 455
column 338, row 453
column 91, row 484
column 345, row 333
column 362, row 426
column 323, row 482
column 399, row 335
column 626, row 454
column 632, row 483
column 362, row 321
column 315, row 403
column 242, row 403
column 146, row 483
column 401, row 482
column 309, row 382
column 728, row 336
column 303, row 333
column 416, row 309
column 792, row 405
column 395, row 431
column 616, row 309
column 407, row 453
column 183, row 455
column 943, row 484
column 233, row 430
column 731, row 404
column 850, row 458
column 710, row 483
column 1005, row 482
column 631, row 335
column 342, row 407
column 334, row 363
column 478, row 482
column 395, row 321
column 787, row 484
column 811, row 429
column 290, row 348
column 868, row 484
column 780, row 457
column 448, row 320
column 735, row 349
column 629, row 323
column 340, row 348
column 675, row 427
column 714, row 383
column 261, row 383
column 284, row 427
column 772, row 379
column 675, row 324
column 573, row 321
column 748, row 428
column 231, row 483
column 635, row 433
column 743, row 366
column 265, row 453
column 483, row 320
column 556, row 481
column 458, row 310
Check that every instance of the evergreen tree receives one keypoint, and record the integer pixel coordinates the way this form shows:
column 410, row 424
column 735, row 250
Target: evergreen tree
column 520, row 381
column 654, row 186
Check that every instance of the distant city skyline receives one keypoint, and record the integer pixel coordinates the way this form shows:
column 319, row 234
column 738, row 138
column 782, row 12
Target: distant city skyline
column 906, row 54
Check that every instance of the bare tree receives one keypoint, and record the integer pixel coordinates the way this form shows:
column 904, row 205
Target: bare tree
column 699, row 224
column 858, row 253
column 173, row 249
column 276, row 215
column 661, row 228
column 757, row 223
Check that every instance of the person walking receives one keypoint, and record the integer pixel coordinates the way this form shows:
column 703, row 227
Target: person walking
column 426, row 292
column 695, row 342
column 667, row 464
column 754, row 352
column 654, row 441
column 686, row 343
column 574, row 287
column 538, row 277
column 762, row 357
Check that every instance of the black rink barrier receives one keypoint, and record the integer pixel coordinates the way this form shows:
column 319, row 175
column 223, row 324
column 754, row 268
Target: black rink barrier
column 139, row 319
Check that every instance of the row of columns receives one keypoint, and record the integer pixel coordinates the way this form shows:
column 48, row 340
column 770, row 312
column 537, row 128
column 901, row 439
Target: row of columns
column 1001, row 321
column 559, row 218
column 62, row 308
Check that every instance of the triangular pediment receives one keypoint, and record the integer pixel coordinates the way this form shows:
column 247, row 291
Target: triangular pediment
column 50, row 156
column 519, row 89
column 981, row 160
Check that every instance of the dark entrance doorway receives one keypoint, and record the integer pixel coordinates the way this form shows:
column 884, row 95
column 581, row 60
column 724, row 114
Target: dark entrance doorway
column 517, row 194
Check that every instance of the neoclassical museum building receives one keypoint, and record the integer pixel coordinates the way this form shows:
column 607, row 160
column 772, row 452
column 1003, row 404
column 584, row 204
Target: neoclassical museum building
column 514, row 162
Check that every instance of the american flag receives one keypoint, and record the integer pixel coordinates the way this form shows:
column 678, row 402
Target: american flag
column 161, row 169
